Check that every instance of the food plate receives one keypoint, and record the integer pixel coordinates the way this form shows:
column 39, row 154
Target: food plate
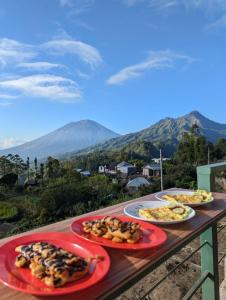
column 21, row 279
column 132, row 210
column 152, row 236
column 160, row 196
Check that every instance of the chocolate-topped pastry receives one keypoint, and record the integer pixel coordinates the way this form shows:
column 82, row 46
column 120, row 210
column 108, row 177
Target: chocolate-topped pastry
column 113, row 229
column 21, row 261
column 54, row 265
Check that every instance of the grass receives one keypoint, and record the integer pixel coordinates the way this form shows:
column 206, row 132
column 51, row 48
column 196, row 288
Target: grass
column 7, row 211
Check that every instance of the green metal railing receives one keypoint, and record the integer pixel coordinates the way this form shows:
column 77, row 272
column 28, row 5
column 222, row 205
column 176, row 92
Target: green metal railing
column 209, row 253
column 209, row 279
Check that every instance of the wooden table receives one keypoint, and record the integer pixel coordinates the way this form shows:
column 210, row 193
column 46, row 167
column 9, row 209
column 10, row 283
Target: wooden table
column 127, row 267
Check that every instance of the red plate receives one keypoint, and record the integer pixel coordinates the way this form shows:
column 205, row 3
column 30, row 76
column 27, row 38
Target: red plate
column 152, row 236
column 21, row 279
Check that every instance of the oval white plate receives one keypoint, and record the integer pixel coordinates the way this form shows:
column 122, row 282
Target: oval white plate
column 160, row 195
column 132, row 210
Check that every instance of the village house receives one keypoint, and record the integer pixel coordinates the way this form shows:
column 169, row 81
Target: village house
column 126, row 168
column 107, row 169
column 103, row 169
column 152, row 170
column 134, row 184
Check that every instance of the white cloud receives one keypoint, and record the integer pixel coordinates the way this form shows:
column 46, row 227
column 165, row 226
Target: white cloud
column 86, row 53
column 82, row 75
column 55, row 88
column 65, row 2
column 218, row 24
column 12, row 51
column 5, row 104
column 9, row 142
column 133, row 2
column 208, row 6
column 7, row 96
column 156, row 60
column 23, row 56
column 39, row 65
column 77, row 7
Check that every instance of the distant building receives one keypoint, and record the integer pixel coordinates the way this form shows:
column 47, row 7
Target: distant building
column 22, row 178
column 126, row 168
column 157, row 160
column 85, row 173
column 30, row 182
column 103, row 169
column 107, row 169
column 134, row 184
column 122, row 164
column 151, row 170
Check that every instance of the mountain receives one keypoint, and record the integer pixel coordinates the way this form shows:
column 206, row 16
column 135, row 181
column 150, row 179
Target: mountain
column 167, row 131
column 86, row 136
column 71, row 137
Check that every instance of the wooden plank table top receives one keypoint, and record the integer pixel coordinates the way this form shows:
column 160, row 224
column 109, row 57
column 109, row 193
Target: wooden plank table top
column 128, row 266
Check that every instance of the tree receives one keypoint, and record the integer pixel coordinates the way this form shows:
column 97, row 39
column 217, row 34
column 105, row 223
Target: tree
column 52, row 167
column 42, row 171
column 193, row 148
column 36, row 165
column 6, row 166
column 195, row 129
column 220, row 148
column 9, row 179
column 11, row 164
column 28, row 167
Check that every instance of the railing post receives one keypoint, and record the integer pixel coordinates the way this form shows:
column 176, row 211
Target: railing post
column 209, row 262
column 209, row 252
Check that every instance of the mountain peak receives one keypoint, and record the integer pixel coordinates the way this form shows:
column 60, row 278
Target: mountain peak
column 71, row 137
column 168, row 131
column 81, row 122
column 195, row 114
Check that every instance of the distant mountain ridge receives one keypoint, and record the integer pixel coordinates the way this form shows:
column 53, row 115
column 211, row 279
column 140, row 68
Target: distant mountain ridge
column 86, row 136
column 71, row 137
column 168, row 131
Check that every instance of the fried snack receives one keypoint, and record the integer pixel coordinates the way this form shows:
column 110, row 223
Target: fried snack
column 54, row 265
column 172, row 212
column 198, row 196
column 113, row 229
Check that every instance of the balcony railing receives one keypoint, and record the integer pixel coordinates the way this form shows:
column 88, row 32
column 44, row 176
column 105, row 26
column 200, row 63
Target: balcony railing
column 128, row 267
column 209, row 279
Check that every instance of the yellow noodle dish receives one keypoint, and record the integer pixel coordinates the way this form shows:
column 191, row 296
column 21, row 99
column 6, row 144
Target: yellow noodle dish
column 196, row 197
column 172, row 212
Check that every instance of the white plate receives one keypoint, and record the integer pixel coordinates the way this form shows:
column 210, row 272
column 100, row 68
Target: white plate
column 160, row 195
column 132, row 210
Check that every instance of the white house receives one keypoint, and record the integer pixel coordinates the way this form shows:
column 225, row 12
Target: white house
column 102, row 169
column 134, row 184
column 157, row 160
column 107, row 169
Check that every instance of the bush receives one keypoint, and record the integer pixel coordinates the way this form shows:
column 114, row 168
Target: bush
column 2, row 196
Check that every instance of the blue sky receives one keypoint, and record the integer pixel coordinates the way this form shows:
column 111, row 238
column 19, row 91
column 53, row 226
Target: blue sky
column 123, row 63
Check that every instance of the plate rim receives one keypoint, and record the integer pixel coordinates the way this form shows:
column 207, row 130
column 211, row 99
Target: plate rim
column 117, row 245
column 56, row 292
column 192, row 214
